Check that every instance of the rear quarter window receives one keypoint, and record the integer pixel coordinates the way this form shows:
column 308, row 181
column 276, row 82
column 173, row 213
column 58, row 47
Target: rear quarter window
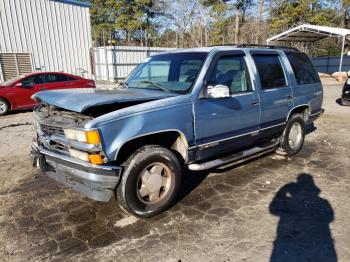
column 270, row 71
column 303, row 69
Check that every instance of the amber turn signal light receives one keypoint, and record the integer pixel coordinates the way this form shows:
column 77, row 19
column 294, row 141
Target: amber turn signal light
column 92, row 137
column 96, row 159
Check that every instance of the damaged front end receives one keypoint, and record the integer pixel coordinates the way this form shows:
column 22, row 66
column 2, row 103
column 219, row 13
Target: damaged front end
column 71, row 154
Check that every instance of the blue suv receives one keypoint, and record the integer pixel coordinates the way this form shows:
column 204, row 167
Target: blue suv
column 191, row 108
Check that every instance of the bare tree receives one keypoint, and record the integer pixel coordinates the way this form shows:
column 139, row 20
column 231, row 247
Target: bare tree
column 183, row 14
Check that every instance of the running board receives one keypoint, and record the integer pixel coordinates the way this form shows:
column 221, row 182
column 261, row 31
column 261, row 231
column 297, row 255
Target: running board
column 235, row 158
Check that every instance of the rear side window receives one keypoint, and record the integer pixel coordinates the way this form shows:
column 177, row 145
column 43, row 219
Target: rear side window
column 52, row 78
column 304, row 71
column 270, row 71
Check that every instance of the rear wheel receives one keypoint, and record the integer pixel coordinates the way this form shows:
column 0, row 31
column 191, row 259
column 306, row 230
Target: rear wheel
column 150, row 182
column 293, row 137
column 4, row 107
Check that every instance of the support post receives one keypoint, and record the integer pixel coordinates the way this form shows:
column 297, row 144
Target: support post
column 341, row 55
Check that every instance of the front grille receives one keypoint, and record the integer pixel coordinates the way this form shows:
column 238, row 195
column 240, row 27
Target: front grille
column 51, row 130
column 59, row 147
column 48, row 134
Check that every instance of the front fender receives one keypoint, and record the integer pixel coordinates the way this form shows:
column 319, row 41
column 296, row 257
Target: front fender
column 170, row 118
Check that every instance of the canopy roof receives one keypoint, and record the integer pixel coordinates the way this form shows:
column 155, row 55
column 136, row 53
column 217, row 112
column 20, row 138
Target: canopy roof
column 309, row 33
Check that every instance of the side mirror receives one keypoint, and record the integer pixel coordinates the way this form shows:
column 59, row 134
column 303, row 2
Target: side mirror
column 25, row 84
column 218, row 91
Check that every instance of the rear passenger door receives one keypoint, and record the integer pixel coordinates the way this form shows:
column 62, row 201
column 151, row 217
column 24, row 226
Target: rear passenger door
column 276, row 98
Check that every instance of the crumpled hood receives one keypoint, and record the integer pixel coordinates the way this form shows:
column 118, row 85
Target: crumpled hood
column 80, row 99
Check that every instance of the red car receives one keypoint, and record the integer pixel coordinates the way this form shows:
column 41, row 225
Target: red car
column 16, row 93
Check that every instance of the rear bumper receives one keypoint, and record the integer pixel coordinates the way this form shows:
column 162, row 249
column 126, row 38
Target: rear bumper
column 315, row 116
column 97, row 182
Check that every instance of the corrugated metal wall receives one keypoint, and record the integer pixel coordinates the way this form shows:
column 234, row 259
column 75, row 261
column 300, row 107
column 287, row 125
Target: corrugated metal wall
column 57, row 34
column 112, row 63
column 330, row 64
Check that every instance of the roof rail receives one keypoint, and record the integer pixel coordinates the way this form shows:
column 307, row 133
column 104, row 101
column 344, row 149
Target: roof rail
column 262, row 46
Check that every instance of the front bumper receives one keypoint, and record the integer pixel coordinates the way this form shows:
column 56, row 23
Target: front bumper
column 97, row 182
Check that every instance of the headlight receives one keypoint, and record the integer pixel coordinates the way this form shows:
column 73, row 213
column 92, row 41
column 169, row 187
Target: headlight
column 89, row 137
column 96, row 159
column 79, row 154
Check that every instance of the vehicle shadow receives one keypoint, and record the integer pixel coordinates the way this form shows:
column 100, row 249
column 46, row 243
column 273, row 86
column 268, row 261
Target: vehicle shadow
column 16, row 112
column 192, row 179
column 303, row 232
column 310, row 128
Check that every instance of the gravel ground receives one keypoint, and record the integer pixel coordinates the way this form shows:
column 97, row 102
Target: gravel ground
column 270, row 209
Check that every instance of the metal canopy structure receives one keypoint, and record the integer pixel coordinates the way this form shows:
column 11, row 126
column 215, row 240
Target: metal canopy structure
column 312, row 33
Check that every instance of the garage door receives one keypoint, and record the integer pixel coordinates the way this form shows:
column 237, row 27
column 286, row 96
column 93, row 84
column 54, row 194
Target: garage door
column 14, row 64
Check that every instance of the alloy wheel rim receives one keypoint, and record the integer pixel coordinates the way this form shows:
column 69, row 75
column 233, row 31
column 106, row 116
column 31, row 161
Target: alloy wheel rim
column 2, row 107
column 153, row 183
column 295, row 136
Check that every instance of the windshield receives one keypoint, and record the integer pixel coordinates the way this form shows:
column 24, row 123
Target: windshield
column 11, row 81
column 175, row 72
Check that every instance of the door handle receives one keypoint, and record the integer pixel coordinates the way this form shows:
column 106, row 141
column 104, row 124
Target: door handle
column 42, row 88
column 255, row 102
column 289, row 97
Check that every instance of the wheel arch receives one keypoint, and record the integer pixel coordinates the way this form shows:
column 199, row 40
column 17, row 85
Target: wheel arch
column 303, row 109
column 174, row 140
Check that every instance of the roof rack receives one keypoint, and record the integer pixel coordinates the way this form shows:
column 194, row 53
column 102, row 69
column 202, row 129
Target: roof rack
column 262, row 46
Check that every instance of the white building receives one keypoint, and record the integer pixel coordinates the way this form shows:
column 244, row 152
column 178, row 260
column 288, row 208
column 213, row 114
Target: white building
column 47, row 35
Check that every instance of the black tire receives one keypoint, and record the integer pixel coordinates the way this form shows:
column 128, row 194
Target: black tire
column 344, row 102
column 4, row 107
column 286, row 147
column 128, row 190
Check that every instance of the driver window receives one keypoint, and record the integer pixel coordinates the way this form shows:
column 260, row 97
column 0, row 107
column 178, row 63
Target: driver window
column 231, row 71
column 33, row 80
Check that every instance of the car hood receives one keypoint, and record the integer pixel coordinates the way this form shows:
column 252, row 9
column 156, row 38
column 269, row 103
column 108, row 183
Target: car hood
column 79, row 100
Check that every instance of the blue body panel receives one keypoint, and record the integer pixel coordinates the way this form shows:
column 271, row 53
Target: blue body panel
column 81, row 99
column 210, row 127
column 275, row 103
column 119, row 127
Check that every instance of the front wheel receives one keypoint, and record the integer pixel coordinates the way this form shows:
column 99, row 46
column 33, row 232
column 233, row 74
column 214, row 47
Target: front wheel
column 292, row 139
column 4, row 107
column 150, row 182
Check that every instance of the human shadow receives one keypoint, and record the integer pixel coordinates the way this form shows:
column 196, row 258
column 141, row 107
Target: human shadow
column 303, row 232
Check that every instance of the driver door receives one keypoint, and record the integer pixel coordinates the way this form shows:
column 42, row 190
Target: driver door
column 231, row 123
column 23, row 90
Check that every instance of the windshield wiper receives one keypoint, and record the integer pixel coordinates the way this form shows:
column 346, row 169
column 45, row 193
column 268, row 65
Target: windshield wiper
column 123, row 84
column 155, row 84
